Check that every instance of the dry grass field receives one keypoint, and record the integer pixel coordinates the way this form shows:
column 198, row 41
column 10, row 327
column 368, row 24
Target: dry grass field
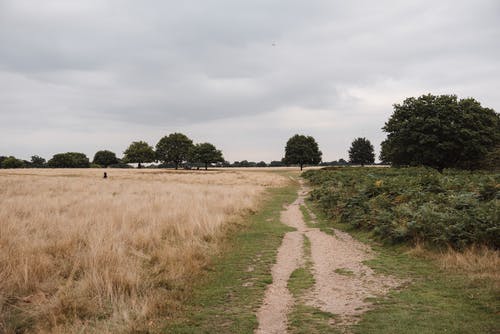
column 79, row 253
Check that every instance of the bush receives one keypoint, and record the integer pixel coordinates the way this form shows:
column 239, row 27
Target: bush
column 455, row 208
column 69, row 160
column 12, row 162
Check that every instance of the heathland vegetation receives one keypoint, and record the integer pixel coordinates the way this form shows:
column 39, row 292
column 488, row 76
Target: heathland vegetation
column 416, row 205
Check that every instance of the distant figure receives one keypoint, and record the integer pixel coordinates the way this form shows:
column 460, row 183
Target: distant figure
column 105, row 175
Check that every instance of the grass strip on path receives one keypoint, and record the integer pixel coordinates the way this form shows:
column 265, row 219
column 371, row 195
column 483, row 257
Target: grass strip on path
column 305, row 319
column 230, row 294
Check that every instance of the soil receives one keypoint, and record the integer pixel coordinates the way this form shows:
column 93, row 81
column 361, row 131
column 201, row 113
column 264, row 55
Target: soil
column 342, row 281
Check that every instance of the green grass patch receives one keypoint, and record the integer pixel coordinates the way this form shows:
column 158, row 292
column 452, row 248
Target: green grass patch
column 308, row 219
column 432, row 301
column 344, row 271
column 309, row 320
column 233, row 287
column 302, row 279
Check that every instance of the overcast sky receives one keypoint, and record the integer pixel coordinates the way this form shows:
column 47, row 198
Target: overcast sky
column 85, row 75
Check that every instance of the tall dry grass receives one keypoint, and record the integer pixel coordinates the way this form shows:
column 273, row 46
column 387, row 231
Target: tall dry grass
column 477, row 262
column 82, row 254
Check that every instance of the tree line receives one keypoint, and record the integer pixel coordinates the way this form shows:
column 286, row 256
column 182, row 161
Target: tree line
column 436, row 131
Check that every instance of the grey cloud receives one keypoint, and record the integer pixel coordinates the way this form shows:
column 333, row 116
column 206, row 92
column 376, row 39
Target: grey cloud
column 155, row 66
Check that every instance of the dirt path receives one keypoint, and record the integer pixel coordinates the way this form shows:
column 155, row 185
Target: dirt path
column 342, row 281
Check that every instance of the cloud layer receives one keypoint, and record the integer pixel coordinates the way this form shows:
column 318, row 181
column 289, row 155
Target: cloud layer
column 88, row 75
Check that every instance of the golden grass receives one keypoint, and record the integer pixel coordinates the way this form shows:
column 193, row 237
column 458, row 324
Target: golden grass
column 477, row 262
column 82, row 254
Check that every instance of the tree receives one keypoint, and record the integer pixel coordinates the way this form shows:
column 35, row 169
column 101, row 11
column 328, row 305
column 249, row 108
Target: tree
column 105, row 158
column 12, row 162
column 302, row 150
column 174, row 148
column 139, row 152
column 261, row 164
column 37, row 161
column 206, row 153
column 276, row 163
column 361, row 152
column 69, row 160
column 440, row 132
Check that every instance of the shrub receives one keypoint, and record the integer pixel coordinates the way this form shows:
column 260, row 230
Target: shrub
column 455, row 208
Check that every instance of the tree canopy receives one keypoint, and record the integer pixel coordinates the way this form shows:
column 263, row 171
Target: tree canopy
column 139, row 152
column 37, row 161
column 302, row 150
column 440, row 132
column 11, row 162
column 174, row 148
column 69, row 160
column 105, row 158
column 206, row 153
column 361, row 152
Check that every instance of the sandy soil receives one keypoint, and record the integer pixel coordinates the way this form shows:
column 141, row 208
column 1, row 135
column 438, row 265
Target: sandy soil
column 342, row 284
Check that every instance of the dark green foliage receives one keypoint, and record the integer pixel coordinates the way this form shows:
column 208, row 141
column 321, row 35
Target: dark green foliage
column 440, row 132
column 12, row 162
column 69, row 160
column 105, row 158
column 37, row 162
column 139, row 152
column 414, row 204
column 302, row 150
column 205, row 153
column 361, row 152
column 261, row 164
column 492, row 159
column 276, row 163
column 174, row 148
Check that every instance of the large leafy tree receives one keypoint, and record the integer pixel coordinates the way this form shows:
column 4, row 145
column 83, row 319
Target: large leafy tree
column 174, row 148
column 302, row 150
column 440, row 132
column 69, row 160
column 37, row 161
column 206, row 153
column 139, row 152
column 105, row 158
column 361, row 152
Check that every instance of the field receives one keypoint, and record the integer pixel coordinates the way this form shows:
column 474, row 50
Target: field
column 79, row 253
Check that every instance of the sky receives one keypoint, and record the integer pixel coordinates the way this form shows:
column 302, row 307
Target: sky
column 87, row 75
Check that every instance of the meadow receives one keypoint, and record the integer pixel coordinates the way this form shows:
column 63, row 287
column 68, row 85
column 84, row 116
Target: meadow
column 79, row 253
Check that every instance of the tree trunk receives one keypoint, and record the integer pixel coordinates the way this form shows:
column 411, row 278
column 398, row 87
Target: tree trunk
column 301, row 165
column 139, row 166
column 176, row 165
column 206, row 165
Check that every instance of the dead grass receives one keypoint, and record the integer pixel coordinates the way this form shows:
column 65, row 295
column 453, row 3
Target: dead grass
column 82, row 254
column 478, row 262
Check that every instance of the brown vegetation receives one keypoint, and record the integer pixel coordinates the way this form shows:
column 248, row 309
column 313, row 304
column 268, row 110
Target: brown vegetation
column 82, row 254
